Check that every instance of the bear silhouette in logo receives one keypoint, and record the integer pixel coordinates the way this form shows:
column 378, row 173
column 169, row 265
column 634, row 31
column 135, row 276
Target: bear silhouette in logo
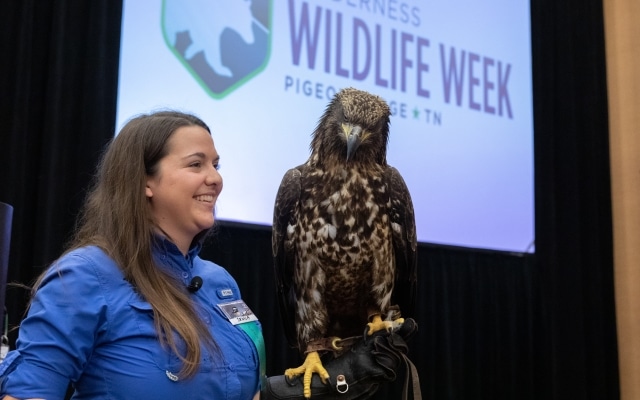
column 205, row 21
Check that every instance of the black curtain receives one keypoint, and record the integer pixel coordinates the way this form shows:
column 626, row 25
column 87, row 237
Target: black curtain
column 577, row 334
column 492, row 325
column 59, row 78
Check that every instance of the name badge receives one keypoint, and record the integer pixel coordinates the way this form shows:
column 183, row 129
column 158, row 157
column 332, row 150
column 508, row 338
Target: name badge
column 224, row 293
column 237, row 312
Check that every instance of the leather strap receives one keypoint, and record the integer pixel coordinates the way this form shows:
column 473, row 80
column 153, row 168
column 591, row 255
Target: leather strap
column 333, row 344
column 412, row 373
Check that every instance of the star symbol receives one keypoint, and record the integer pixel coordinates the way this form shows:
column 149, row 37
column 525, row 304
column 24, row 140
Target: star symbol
column 416, row 113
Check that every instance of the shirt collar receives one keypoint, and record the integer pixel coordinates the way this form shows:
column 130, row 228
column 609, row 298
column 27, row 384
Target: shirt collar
column 169, row 253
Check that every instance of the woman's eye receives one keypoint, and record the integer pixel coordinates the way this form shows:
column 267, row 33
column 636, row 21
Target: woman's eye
column 216, row 166
column 195, row 164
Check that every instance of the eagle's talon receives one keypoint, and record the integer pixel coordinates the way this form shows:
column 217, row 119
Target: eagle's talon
column 311, row 364
column 396, row 324
column 377, row 324
column 292, row 373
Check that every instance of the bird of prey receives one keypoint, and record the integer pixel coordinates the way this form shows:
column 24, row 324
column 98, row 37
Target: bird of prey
column 344, row 235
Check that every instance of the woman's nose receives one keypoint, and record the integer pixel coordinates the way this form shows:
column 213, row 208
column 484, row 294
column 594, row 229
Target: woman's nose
column 213, row 177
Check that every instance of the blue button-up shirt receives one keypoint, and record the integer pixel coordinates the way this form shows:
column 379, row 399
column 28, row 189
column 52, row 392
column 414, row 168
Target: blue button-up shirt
column 87, row 325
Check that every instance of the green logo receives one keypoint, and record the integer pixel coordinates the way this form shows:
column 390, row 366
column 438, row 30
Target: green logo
column 223, row 44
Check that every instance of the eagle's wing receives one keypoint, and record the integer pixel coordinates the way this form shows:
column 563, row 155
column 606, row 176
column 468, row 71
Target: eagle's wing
column 284, row 251
column 404, row 238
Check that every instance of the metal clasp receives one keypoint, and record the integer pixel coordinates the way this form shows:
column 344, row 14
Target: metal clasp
column 4, row 340
column 4, row 347
column 341, row 384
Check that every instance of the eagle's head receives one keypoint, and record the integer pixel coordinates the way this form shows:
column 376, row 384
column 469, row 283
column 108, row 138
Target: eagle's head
column 354, row 127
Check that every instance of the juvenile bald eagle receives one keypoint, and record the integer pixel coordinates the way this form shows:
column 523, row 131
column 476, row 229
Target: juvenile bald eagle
column 344, row 235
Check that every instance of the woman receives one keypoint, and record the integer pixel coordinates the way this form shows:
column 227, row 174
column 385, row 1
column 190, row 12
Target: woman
column 130, row 311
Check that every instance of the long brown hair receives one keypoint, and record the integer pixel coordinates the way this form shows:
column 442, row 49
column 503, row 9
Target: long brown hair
column 116, row 217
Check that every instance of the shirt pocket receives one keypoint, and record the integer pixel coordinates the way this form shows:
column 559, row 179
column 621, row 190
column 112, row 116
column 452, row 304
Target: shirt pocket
column 163, row 357
column 235, row 338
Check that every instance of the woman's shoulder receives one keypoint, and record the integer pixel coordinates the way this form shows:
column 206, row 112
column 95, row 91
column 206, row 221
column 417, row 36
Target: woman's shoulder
column 209, row 267
column 87, row 260
column 216, row 275
column 86, row 272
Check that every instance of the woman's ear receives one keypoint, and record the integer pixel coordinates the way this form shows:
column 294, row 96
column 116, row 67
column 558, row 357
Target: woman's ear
column 147, row 191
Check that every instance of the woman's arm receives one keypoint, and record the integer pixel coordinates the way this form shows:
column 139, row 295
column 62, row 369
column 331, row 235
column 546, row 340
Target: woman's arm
column 65, row 316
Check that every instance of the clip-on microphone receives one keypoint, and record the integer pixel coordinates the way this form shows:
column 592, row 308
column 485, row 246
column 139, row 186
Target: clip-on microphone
column 195, row 285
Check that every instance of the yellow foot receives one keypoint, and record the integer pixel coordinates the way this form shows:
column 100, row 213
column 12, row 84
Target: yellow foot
column 377, row 324
column 311, row 364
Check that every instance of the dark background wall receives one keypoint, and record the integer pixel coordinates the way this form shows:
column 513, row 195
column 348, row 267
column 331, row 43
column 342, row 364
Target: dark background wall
column 493, row 325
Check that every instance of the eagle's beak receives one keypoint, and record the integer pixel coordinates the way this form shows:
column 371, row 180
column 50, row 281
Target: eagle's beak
column 353, row 140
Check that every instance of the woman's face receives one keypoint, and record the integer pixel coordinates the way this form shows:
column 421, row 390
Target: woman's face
column 184, row 191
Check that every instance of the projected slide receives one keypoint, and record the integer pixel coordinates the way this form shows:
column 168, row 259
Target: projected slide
column 457, row 75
